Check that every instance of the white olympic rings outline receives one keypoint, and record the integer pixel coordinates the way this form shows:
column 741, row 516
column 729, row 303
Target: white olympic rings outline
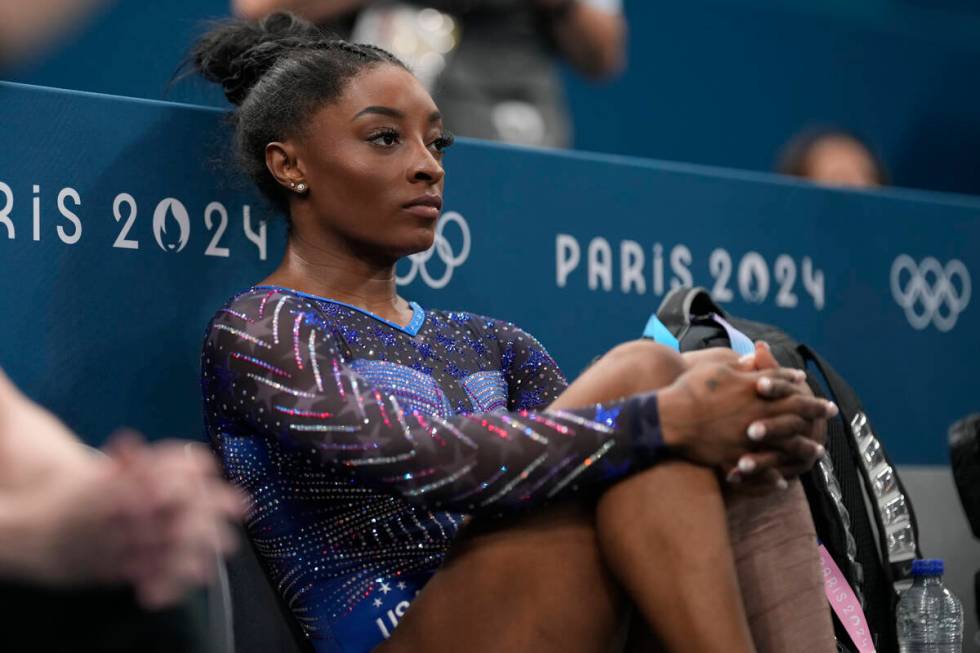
column 441, row 247
column 931, row 296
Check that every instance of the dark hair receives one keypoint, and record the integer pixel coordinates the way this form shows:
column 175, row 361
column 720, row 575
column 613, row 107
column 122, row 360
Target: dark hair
column 278, row 72
column 793, row 158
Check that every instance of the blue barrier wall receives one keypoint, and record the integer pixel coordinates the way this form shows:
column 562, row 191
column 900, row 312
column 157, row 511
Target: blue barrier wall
column 121, row 232
column 722, row 82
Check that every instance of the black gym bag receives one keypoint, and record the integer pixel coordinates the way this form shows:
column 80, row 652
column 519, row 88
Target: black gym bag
column 860, row 508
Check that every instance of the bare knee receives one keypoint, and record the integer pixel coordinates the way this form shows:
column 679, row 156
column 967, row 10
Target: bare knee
column 647, row 364
column 631, row 368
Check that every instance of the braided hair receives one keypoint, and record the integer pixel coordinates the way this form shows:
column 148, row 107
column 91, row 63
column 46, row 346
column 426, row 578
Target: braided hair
column 278, row 72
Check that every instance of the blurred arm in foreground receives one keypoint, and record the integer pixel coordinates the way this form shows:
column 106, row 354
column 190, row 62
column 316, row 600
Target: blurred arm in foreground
column 151, row 516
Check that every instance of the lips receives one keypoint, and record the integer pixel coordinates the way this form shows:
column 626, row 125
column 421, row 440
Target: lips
column 426, row 200
column 426, row 206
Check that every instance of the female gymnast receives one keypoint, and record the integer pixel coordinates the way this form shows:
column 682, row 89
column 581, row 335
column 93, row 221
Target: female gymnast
column 388, row 447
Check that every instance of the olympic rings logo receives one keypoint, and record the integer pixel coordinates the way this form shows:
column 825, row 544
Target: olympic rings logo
column 444, row 250
column 930, row 292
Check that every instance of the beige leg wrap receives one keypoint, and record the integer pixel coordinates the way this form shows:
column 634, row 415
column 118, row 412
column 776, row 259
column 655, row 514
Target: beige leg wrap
column 778, row 567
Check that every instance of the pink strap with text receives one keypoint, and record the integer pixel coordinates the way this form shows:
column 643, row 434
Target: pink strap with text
column 844, row 603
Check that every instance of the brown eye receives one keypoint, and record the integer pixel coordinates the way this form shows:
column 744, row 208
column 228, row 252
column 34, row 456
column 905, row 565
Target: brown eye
column 386, row 138
column 444, row 141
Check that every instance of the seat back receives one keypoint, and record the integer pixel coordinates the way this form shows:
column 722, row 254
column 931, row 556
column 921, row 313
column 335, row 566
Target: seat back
column 261, row 621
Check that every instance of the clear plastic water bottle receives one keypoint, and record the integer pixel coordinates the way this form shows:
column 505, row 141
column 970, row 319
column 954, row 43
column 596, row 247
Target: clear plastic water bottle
column 930, row 617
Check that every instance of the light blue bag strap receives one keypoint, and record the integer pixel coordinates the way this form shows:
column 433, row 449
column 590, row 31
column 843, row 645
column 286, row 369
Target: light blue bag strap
column 741, row 343
column 656, row 331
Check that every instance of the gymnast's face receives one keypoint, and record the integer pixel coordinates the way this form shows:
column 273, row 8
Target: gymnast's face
column 372, row 161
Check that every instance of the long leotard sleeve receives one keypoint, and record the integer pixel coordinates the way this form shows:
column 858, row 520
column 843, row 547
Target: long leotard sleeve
column 280, row 371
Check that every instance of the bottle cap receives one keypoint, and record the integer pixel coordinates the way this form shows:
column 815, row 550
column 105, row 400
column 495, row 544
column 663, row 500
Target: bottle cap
column 927, row 567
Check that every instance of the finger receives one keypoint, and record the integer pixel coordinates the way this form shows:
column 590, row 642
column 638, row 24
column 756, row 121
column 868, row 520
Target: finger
column 773, row 429
column 230, row 502
column 185, row 460
column 787, row 374
column 760, row 468
column 167, row 572
column 777, row 388
column 151, row 547
column 764, row 359
column 760, row 359
column 208, row 521
column 201, row 458
column 124, row 446
column 189, row 463
column 818, row 431
column 765, row 482
column 195, row 563
column 210, row 533
column 746, row 363
column 752, row 464
column 806, row 406
column 756, row 486
column 798, row 450
column 790, row 472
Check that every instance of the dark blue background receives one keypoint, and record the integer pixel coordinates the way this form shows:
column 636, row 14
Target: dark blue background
column 721, row 82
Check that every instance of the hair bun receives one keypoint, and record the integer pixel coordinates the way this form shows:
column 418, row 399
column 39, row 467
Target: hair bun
column 236, row 53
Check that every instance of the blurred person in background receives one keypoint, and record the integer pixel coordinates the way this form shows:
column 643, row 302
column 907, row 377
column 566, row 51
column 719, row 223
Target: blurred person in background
column 27, row 27
column 491, row 65
column 832, row 157
column 98, row 551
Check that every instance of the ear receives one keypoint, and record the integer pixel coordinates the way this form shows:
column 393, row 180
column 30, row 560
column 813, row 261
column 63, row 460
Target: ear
column 282, row 161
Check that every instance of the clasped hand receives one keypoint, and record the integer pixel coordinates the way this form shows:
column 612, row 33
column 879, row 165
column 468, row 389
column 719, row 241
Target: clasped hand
column 756, row 422
column 153, row 516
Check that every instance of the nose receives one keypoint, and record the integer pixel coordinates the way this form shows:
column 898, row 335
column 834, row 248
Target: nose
column 425, row 167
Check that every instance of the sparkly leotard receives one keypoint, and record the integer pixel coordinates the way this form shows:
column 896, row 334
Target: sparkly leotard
column 363, row 445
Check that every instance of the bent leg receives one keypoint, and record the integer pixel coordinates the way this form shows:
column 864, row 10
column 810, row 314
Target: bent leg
column 536, row 585
column 664, row 532
column 771, row 539
column 543, row 584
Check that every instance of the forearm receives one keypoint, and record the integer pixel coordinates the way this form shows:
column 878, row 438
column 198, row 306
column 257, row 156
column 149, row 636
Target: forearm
column 36, row 452
column 21, row 537
column 314, row 10
column 33, row 443
column 592, row 40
